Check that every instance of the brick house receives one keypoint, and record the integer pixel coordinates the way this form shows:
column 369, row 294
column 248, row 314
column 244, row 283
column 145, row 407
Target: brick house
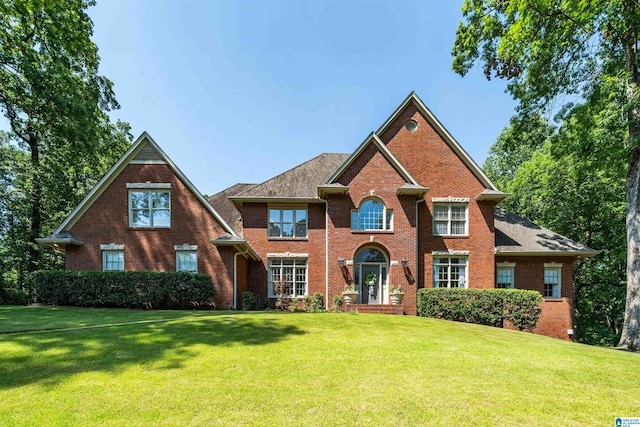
column 408, row 207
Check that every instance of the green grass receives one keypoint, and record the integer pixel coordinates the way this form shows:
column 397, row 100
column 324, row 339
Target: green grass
column 161, row 368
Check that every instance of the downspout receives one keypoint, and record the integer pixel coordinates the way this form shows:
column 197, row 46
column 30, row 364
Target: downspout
column 417, row 246
column 235, row 277
column 326, row 253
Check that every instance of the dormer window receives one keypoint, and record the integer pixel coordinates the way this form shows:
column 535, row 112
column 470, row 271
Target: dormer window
column 372, row 215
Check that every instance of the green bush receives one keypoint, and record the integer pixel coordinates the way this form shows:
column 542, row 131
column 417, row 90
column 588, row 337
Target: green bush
column 336, row 302
column 482, row 306
column 306, row 303
column 10, row 295
column 122, row 289
column 250, row 301
column 317, row 302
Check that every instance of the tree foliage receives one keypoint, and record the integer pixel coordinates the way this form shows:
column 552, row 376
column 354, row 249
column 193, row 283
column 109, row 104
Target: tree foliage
column 59, row 139
column 553, row 51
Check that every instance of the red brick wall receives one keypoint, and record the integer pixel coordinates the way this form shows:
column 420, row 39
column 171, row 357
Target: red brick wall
column 255, row 226
column 557, row 314
column 107, row 221
column 433, row 163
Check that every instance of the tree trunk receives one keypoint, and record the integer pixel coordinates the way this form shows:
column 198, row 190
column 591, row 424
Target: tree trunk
column 630, row 338
column 35, row 227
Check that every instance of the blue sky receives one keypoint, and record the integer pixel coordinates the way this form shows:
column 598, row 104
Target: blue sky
column 240, row 91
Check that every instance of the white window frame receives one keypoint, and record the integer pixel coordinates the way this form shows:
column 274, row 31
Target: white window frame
column 450, row 220
column 297, row 265
column 505, row 266
column 150, row 189
column 186, row 249
column 294, row 210
column 555, row 267
column 387, row 217
column 108, row 250
column 438, row 264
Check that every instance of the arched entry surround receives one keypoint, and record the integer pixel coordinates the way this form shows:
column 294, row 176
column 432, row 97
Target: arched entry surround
column 371, row 261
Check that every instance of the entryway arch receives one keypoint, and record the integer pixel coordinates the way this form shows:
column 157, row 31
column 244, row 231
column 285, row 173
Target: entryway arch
column 370, row 273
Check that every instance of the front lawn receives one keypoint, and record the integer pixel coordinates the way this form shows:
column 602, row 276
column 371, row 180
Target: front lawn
column 126, row 367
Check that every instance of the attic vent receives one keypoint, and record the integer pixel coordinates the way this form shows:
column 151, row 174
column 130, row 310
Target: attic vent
column 411, row 126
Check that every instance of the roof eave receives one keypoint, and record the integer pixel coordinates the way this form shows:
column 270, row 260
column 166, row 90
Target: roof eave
column 325, row 190
column 239, row 244
column 575, row 254
column 496, row 196
column 417, row 191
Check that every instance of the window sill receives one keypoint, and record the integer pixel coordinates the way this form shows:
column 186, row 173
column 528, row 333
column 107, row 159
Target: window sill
column 551, row 299
column 447, row 236
column 149, row 228
column 372, row 231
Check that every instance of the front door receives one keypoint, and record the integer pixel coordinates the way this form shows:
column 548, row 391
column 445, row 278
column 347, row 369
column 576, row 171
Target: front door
column 371, row 280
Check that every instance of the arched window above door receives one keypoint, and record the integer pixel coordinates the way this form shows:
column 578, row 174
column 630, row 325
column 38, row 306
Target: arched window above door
column 372, row 215
column 370, row 255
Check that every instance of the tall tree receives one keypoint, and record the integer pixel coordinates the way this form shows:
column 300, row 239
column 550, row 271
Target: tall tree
column 546, row 49
column 56, row 105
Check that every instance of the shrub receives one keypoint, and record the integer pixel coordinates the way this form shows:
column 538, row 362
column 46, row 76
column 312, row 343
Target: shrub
column 336, row 302
column 306, row 303
column 10, row 295
column 482, row 306
column 250, row 301
column 122, row 289
column 317, row 302
column 283, row 300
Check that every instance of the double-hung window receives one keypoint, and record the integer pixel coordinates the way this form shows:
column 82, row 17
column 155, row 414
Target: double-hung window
column 450, row 219
column 450, row 272
column 186, row 258
column 288, row 222
column 372, row 215
column 504, row 276
column 149, row 205
column 552, row 280
column 112, row 257
column 291, row 274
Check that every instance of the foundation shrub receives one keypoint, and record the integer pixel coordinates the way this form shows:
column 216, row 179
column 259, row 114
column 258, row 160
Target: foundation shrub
column 489, row 307
column 122, row 289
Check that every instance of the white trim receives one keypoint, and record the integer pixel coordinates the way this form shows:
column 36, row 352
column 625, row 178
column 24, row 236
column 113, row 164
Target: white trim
column 150, row 208
column 185, row 247
column 112, row 247
column 450, row 252
column 373, row 138
column 105, row 252
column 506, row 266
column 116, row 169
column 450, row 220
column 465, row 281
column 287, row 255
column 450, row 199
column 294, row 266
column 149, row 185
column 182, row 252
column 575, row 254
column 386, row 225
column 555, row 267
column 442, row 131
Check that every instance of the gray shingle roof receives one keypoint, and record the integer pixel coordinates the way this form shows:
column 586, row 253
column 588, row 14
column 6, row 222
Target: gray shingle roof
column 300, row 182
column 226, row 208
column 518, row 236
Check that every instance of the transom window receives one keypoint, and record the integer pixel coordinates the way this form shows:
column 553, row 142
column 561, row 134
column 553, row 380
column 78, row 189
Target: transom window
column 504, row 278
column 552, row 282
column 449, row 272
column 450, row 219
column 291, row 273
column 288, row 222
column 149, row 208
column 112, row 260
column 372, row 215
column 187, row 261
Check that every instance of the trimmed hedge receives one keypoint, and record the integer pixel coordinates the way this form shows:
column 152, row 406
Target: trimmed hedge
column 489, row 307
column 122, row 289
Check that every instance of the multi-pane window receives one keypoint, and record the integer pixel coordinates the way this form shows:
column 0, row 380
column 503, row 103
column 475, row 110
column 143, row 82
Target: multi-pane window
column 291, row 274
column 552, row 282
column 504, row 278
column 149, row 208
column 449, row 272
column 288, row 222
column 112, row 260
column 187, row 261
column 372, row 215
column 450, row 219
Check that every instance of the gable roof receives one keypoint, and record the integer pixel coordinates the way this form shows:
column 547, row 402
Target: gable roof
column 375, row 140
column 444, row 134
column 151, row 149
column 518, row 236
column 300, row 182
column 226, row 208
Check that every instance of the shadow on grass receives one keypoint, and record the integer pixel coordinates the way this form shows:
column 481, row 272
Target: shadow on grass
column 49, row 357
